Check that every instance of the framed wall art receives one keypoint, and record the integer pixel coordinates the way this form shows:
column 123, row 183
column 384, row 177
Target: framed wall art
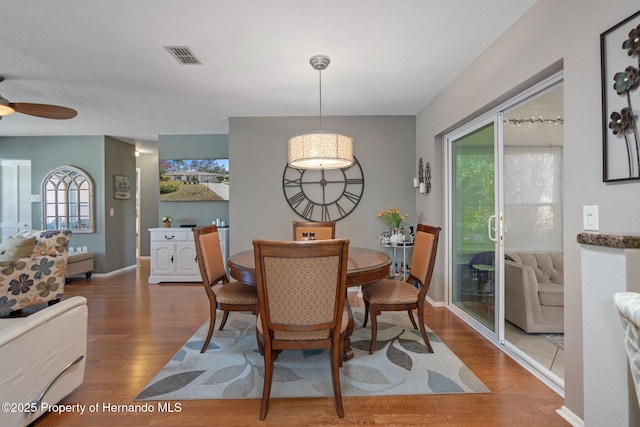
column 121, row 187
column 620, row 68
column 194, row 180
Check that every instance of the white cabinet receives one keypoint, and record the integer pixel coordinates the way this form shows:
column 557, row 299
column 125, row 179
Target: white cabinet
column 173, row 254
column 187, row 260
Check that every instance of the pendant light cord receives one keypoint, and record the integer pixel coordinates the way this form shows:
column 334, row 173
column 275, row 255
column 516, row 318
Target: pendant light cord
column 320, row 117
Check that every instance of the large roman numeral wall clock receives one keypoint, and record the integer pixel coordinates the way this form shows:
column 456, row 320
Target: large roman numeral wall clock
column 323, row 195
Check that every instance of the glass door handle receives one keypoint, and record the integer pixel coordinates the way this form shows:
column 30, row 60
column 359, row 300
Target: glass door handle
column 491, row 228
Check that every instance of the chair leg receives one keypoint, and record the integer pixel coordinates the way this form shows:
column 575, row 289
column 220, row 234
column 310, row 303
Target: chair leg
column 336, row 358
column 225, row 316
column 341, row 352
column 268, row 378
column 423, row 330
column 212, row 324
column 366, row 313
column 413, row 322
column 374, row 328
column 260, row 343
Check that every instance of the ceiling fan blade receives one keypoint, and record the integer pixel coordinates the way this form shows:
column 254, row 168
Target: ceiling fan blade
column 44, row 110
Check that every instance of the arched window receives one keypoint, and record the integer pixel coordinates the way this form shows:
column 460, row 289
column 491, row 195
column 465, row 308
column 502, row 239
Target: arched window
column 67, row 200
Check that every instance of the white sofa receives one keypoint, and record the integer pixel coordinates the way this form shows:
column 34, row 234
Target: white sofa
column 534, row 291
column 38, row 354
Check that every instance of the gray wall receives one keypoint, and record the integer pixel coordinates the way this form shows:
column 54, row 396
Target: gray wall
column 546, row 38
column 384, row 146
column 120, row 228
column 147, row 164
column 193, row 147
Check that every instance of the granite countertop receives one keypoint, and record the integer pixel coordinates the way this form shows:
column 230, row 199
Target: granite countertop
column 611, row 240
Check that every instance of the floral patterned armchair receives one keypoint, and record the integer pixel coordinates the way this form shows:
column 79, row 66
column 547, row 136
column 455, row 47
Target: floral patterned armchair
column 40, row 277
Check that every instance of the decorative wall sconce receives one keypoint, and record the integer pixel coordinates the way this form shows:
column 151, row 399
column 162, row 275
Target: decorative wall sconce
column 423, row 181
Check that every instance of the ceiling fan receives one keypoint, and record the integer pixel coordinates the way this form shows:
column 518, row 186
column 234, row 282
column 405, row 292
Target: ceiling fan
column 38, row 110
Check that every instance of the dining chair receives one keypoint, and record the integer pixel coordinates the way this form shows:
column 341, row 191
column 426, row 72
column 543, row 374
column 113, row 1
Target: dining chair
column 323, row 229
column 223, row 294
column 397, row 295
column 302, row 290
column 628, row 307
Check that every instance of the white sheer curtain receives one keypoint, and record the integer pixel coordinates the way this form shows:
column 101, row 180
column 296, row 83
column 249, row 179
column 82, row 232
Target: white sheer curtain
column 533, row 199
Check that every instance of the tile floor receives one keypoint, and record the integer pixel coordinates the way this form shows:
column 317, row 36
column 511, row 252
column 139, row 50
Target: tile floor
column 538, row 348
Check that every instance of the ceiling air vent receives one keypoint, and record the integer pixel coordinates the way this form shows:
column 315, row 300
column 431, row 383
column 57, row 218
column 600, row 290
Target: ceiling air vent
column 183, row 55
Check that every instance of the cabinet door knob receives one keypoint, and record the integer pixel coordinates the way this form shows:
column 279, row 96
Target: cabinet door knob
column 171, row 259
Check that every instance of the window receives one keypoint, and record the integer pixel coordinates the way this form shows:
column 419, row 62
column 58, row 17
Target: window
column 533, row 198
column 67, row 200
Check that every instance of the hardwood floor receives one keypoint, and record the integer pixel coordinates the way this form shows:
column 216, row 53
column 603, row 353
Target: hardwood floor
column 135, row 328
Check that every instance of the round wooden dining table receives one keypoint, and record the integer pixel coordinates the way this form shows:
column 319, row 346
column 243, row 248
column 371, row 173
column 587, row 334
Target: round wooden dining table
column 363, row 266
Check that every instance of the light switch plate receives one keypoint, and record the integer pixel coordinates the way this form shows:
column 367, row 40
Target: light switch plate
column 590, row 220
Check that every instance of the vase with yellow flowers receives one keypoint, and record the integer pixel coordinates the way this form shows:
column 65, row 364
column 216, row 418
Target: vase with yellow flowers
column 394, row 219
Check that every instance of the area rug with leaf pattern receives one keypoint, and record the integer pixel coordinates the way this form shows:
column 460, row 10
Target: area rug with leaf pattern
column 232, row 367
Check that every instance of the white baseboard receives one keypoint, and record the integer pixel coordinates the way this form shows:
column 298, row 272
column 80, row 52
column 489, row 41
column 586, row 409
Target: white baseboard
column 114, row 272
column 435, row 303
column 570, row 417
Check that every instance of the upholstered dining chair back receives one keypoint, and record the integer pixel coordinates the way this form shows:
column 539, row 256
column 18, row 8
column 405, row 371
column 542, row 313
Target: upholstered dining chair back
column 424, row 254
column 323, row 230
column 223, row 294
column 301, row 292
column 209, row 255
column 628, row 305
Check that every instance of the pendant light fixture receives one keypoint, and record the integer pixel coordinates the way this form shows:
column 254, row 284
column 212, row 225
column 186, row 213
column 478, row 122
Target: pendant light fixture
column 320, row 149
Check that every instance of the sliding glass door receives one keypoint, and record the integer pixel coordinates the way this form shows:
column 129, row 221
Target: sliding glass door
column 504, row 196
column 474, row 219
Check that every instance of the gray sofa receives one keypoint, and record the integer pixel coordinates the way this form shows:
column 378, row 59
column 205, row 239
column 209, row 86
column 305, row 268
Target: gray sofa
column 534, row 291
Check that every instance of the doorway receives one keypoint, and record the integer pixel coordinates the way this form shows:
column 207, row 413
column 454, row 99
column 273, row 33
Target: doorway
column 15, row 203
column 533, row 145
column 504, row 195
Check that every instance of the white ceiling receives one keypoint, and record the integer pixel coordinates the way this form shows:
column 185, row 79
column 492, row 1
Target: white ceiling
column 106, row 59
